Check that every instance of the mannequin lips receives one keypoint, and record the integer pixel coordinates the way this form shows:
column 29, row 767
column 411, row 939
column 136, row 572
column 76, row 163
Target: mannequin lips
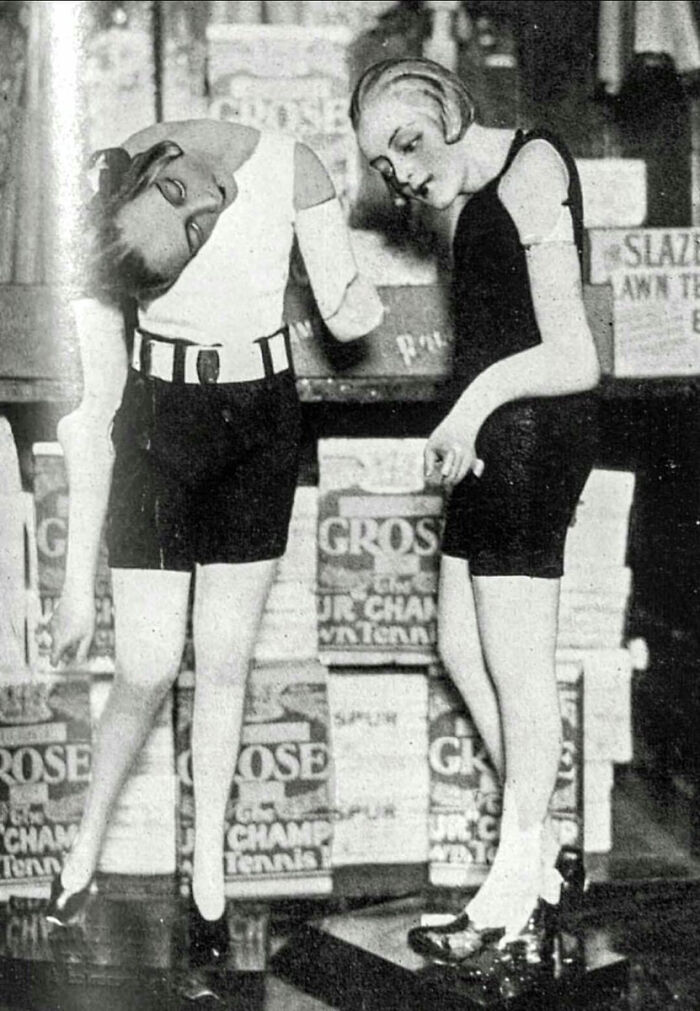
column 422, row 191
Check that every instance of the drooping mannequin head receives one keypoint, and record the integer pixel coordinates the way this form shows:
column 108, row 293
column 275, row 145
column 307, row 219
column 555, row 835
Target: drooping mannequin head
column 409, row 116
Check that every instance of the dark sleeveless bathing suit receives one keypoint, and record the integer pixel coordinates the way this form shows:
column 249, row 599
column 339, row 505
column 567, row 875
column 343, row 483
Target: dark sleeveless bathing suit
column 537, row 452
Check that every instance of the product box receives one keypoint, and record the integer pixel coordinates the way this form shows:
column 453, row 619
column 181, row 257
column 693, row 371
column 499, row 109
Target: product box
column 278, row 824
column 51, row 511
column 593, row 607
column 45, row 763
column 607, row 689
column 379, row 735
column 598, row 534
column 465, row 797
column 287, row 79
column 379, row 527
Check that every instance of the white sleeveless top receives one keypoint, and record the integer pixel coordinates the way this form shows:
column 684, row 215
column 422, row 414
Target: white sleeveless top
column 233, row 289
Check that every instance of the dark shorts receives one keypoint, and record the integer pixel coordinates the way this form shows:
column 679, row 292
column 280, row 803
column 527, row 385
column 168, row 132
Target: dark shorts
column 202, row 474
column 512, row 521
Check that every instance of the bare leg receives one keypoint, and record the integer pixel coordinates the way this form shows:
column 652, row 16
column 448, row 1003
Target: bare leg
column 461, row 653
column 228, row 607
column 517, row 622
column 150, row 615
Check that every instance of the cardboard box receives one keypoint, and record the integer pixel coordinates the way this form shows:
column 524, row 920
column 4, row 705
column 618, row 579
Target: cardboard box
column 278, row 824
column 379, row 528
column 288, row 79
column 598, row 534
column 379, row 731
column 45, row 764
column 465, row 797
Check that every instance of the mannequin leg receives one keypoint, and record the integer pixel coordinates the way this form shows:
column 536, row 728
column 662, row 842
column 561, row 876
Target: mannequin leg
column 150, row 616
column 229, row 601
column 517, row 619
column 460, row 651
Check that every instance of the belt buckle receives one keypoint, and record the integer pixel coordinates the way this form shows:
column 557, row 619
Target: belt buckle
column 208, row 365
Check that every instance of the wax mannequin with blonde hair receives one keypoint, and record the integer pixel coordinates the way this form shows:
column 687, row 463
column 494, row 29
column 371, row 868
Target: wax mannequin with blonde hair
column 514, row 448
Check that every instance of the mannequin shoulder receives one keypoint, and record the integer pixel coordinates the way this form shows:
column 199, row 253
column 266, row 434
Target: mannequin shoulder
column 534, row 188
column 312, row 183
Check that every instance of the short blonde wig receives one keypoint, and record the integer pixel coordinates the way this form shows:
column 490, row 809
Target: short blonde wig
column 404, row 76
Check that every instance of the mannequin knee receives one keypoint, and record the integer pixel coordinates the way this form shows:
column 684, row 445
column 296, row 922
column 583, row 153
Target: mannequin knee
column 149, row 681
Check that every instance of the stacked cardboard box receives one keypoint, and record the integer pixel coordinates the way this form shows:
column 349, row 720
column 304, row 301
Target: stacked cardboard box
column 592, row 616
column 45, row 762
column 289, row 78
column 278, row 828
column 379, row 739
column 378, row 540
column 465, row 797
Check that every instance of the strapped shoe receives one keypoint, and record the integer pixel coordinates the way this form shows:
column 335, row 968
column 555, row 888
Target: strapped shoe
column 209, row 939
column 64, row 907
column 453, row 941
column 513, row 964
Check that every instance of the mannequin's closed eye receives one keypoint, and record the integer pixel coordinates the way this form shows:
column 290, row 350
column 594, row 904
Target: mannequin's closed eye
column 173, row 190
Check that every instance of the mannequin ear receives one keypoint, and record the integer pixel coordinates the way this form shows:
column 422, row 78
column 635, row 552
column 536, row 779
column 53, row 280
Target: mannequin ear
column 106, row 171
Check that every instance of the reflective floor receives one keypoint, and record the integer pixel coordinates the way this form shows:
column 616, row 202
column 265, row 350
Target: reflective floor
column 131, row 948
column 131, row 952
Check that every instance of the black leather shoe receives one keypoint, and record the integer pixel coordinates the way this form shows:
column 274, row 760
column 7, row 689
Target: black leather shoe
column 209, row 939
column 571, row 867
column 453, row 941
column 64, row 907
column 516, row 963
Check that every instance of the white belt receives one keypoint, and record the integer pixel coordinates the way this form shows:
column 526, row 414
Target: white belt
column 201, row 364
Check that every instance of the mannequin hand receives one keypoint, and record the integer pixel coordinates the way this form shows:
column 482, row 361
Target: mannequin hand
column 450, row 451
column 72, row 626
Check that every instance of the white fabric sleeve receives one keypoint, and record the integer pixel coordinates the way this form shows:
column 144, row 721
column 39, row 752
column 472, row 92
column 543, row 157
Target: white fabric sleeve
column 349, row 304
column 534, row 191
column 100, row 331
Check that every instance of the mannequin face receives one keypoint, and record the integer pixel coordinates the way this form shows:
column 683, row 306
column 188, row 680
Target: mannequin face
column 171, row 220
column 402, row 137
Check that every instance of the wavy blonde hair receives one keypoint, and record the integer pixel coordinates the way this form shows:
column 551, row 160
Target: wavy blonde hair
column 456, row 106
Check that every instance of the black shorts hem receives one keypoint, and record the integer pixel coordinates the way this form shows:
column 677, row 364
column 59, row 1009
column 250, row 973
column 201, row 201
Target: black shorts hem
column 269, row 555
column 508, row 566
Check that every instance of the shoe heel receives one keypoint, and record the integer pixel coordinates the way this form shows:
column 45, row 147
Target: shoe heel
column 571, row 868
column 552, row 886
column 63, row 908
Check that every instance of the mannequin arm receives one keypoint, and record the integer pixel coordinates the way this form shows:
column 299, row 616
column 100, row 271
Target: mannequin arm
column 84, row 435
